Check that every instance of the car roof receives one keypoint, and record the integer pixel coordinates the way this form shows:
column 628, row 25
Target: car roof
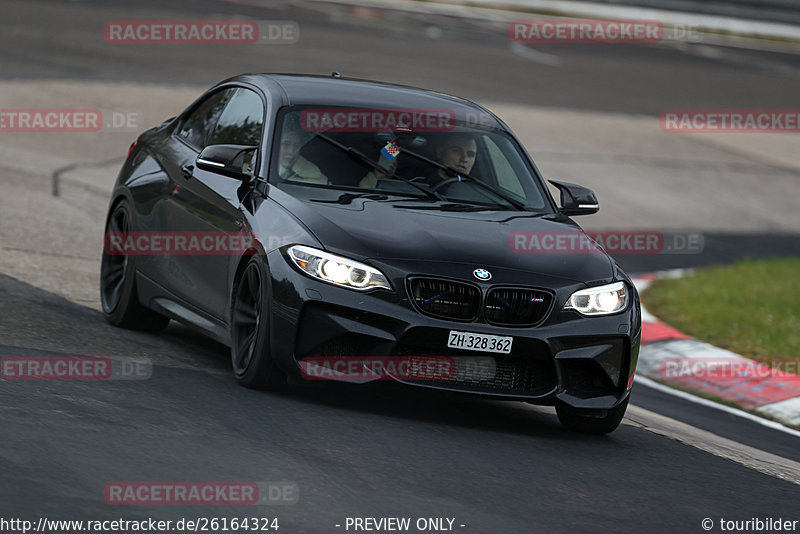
column 301, row 89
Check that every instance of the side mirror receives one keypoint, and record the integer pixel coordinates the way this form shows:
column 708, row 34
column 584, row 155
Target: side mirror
column 576, row 199
column 236, row 161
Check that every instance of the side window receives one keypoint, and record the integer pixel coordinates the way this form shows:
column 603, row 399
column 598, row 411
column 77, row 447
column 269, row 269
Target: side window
column 506, row 177
column 198, row 125
column 241, row 122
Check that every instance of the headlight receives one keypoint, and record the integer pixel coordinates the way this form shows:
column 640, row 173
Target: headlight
column 601, row 300
column 336, row 269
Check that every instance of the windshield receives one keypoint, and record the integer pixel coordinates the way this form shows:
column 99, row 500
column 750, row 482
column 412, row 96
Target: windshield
column 440, row 159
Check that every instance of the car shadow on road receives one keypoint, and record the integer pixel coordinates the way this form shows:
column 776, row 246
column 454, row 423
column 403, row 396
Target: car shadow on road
column 393, row 400
column 436, row 407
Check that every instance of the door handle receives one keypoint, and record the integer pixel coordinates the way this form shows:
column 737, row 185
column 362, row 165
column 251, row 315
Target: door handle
column 187, row 171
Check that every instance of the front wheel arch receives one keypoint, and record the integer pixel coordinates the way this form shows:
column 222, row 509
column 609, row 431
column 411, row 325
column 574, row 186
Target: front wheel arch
column 250, row 317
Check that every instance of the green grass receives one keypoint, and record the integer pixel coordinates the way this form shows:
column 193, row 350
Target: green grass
column 751, row 308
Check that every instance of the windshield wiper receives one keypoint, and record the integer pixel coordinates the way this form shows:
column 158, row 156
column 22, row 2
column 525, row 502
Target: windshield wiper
column 348, row 198
column 513, row 202
column 450, row 206
column 357, row 154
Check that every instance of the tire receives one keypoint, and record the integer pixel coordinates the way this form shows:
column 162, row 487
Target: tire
column 118, row 295
column 251, row 359
column 605, row 422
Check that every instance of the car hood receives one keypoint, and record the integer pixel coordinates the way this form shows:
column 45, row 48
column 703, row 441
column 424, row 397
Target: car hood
column 366, row 229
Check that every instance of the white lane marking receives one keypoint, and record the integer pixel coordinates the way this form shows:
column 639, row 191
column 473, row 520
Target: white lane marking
column 641, row 284
column 534, row 55
column 746, row 43
column 433, row 32
column 711, row 404
column 676, row 351
column 750, row 457
column 787, row 410
column 722, row 54
column 675, row 273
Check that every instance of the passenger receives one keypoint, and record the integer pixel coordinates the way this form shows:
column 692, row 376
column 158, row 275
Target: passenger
column 294, row 167
column 370, row 181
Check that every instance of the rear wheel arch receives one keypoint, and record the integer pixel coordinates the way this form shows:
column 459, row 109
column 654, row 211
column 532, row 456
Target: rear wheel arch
column 118, row 289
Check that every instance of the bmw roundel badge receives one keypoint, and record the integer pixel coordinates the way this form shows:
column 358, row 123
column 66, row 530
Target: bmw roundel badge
column 482, row 274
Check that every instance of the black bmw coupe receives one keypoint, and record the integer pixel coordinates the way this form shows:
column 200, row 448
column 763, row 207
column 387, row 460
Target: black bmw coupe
column 327, row 228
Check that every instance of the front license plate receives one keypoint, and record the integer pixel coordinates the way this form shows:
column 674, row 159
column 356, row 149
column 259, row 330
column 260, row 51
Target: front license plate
column 481, row 342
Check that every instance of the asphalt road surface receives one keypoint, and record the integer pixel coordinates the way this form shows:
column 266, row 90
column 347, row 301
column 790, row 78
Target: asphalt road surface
column 352, row 452
column 370, row 452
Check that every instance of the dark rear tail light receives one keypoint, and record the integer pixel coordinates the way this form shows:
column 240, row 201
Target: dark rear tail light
column 130, row 150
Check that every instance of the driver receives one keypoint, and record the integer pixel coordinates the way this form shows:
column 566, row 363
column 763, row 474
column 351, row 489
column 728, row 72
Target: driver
column 456, row 150
column 291, row 165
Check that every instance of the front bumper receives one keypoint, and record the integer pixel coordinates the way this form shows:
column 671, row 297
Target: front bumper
column 583, row 362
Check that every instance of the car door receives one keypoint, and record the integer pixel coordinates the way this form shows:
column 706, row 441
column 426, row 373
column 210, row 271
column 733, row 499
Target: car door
column 175, row 151
column 209, row 204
